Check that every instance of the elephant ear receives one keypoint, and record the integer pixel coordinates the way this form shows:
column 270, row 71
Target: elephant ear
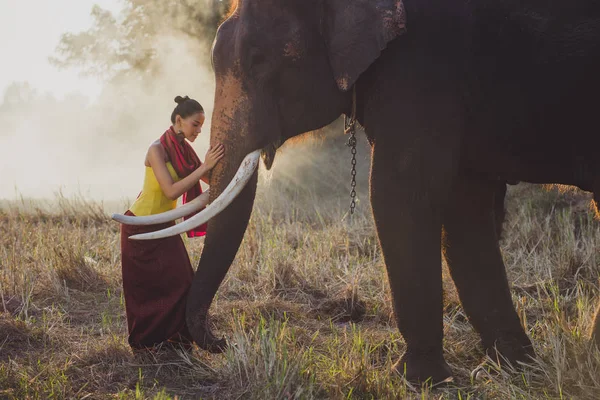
column 357, row 31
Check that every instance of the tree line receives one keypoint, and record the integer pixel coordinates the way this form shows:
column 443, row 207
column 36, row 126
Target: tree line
column 123, row 46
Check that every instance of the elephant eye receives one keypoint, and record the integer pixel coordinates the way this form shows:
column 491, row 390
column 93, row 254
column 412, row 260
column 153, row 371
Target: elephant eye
column 259, row 65
column 257, row 59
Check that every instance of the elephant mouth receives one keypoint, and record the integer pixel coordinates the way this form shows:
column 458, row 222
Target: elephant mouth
column 233, row 189
column 268, row 153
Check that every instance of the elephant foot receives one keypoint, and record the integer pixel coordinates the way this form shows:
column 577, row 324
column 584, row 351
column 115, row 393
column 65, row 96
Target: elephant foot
column 204, row 337
column 212, row 344
column 596, row 328
column 511, row 352
column 489, row 369
column 418, row 369
column 485, row 371
column 508, row 355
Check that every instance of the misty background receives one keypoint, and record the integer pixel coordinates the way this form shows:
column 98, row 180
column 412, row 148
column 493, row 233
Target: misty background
column 79, row 106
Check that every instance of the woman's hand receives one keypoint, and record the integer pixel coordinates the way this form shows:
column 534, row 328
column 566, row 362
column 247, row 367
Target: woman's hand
column 213, row 155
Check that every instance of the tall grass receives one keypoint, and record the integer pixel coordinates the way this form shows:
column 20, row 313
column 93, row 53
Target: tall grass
column 306, row 304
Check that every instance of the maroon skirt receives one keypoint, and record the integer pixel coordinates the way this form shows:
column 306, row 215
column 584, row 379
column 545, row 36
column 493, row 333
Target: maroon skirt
column 157, row 275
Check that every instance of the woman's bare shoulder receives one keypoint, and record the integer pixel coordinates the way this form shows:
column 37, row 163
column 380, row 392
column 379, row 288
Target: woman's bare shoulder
column 157, row 150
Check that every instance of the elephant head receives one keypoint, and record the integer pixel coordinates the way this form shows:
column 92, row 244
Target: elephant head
column 282, row 68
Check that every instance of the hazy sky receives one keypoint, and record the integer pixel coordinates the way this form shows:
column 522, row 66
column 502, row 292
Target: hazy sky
column 29, row 33
column 92, row 148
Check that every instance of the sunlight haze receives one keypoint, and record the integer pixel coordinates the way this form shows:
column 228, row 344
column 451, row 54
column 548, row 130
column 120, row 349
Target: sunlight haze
column 85, row 136
column 29, row 33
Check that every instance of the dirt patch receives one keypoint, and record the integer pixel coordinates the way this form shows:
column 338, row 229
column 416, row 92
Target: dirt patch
column 346, row 309
column 18, row 337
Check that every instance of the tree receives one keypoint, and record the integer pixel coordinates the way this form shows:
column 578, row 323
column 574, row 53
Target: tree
column 124, row 46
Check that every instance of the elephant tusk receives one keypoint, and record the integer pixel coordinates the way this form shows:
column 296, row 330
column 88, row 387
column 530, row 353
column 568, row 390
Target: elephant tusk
column 239, row 181
column 171, row 215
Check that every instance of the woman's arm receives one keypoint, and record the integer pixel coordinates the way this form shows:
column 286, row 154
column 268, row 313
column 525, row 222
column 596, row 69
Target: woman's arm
column 156, row 159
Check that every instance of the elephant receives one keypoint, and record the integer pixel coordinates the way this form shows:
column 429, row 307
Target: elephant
column 456, row 97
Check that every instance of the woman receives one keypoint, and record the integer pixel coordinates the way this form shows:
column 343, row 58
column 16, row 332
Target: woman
column 157, row 273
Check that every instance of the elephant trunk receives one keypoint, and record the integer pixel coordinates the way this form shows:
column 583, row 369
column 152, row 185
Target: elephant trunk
column 224, row 235
column 225, row 231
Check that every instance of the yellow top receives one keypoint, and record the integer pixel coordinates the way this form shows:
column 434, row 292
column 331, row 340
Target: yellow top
column 152, row 200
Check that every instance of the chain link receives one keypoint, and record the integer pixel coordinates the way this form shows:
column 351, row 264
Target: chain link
column 350, row 127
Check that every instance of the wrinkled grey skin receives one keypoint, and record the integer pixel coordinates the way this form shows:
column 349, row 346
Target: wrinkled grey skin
column 457, row 98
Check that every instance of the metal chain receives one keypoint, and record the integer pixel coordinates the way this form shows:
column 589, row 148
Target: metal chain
column 350, row 127
column 352, row 145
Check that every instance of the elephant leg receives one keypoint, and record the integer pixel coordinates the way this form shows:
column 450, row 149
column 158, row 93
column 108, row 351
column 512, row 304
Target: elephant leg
column 499, row 208
column 473, row 255
column 596, row 328
column 407, row 191
column 596, row 325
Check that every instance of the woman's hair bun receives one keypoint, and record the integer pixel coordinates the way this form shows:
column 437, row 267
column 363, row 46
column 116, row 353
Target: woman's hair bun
column 185, row 107
column 180, row 99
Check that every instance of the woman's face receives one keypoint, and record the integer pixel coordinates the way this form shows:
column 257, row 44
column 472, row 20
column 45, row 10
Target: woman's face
column 192, row 125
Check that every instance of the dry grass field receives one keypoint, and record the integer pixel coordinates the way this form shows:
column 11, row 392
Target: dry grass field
column 306, row 305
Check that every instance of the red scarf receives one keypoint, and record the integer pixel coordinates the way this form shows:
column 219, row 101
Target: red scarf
column 184, row 160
